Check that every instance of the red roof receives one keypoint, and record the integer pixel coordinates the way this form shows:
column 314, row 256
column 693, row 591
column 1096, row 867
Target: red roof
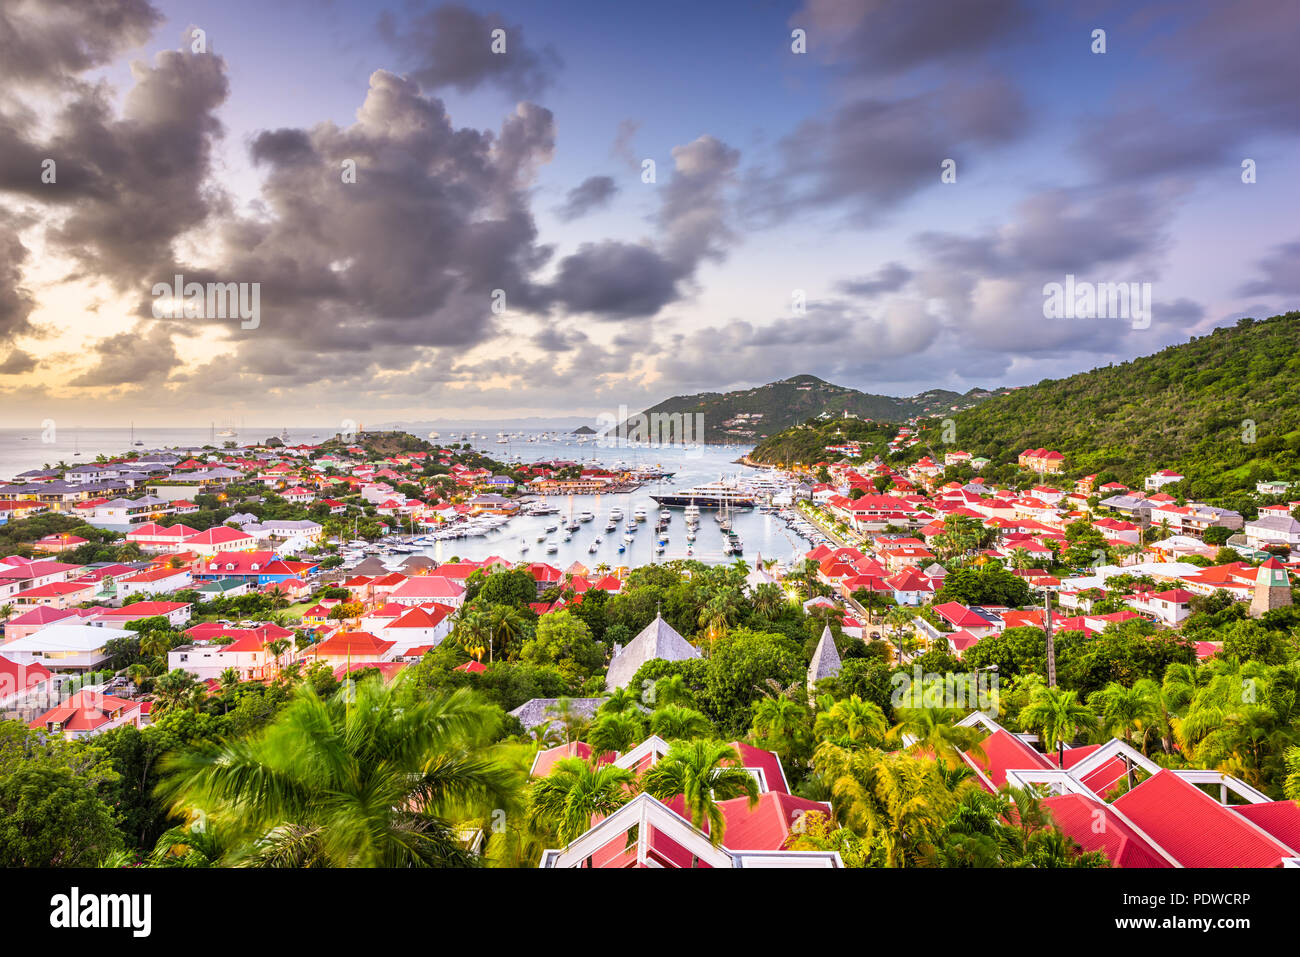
column 1078, row 816
column 1194, row 828
column 359, row 644
column 473, row 667
column 1279, row 818
column 1004, row 752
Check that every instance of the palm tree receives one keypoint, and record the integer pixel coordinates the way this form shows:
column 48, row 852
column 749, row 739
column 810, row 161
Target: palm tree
column 138, row 674
column 616, row 731
column 1057, row 715
column 779, row 721
column 767, row 599
column 899, row 619
column 672, row 689
column 674, row 722
column 575, row 791
column 1124, row 710
column 569, row 717
column 470, row 632
column 896, row 800
column 228, row 679
column 156, row 644
column 619, row 700
column 852, row 723
column 177, row 689
column 380, row 783
column 702, row 773
column 502, row 626
column 1291, row 786
column 277, row 648
column 936, row 731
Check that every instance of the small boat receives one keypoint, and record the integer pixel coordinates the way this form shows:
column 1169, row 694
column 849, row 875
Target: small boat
column 622, row 549
column 611, row 527
column 639, row 514
column 659, row 549
column 551, row 528
column 630, row 527
column 541, row 538
column 629, row 539
column 552, row 546
column 597, row 539
column 665, row 515
column 615, row 514
column 593, row 548
column 523, row 546
column 586, row 515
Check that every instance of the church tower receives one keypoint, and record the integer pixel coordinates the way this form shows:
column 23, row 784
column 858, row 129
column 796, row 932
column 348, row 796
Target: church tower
column 1272, row 588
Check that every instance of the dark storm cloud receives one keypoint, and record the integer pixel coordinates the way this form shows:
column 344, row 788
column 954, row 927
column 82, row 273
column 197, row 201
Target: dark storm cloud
column 616, row 280
column 1233, row 76
column 594, row 192
column 619, row 280
column 877, row 37
column 48, row 42
column 451, row 45
column 873, row 154
column 1281, row 269
column 18, row 362
column 142, row 358
column 129, row 185
column 406, row 257
column 888, row 278
column 16, row 303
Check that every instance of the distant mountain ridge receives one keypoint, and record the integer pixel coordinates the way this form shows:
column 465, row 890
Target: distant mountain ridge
column 749, row 415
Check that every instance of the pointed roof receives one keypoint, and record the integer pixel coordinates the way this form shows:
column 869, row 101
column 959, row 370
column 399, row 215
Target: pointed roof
column 657, row 640
column 825, row 660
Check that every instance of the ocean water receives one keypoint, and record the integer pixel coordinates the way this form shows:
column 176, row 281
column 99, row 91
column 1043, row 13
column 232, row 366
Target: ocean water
column 24, row 449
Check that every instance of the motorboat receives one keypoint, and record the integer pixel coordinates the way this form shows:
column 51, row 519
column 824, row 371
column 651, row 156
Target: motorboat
column 552, row 546
column 586, row 515
column 639, row 514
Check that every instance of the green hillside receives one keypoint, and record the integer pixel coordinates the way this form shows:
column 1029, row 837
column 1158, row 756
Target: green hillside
column 1221, row 409
column 750, row 415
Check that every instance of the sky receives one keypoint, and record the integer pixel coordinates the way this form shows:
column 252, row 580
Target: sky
column 874, row 192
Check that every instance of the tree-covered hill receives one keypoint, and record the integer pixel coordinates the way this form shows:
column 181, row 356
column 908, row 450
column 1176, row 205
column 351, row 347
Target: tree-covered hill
column 1221, row 409
column 750, row 415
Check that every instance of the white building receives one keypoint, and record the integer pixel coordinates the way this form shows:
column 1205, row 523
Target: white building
column 62, row 647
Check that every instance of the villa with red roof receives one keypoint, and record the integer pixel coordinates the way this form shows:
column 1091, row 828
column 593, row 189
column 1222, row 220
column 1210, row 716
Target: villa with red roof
column 753, row 837
column 219, row 539
column 86, row 713
column 427, row 588
column 1167, row 818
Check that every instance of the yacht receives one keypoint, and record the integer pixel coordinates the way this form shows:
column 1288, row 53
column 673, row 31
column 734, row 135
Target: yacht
column 586, row 515
column 711, row 495
column 615, row 514
column 692, row 513
column 639, row 514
